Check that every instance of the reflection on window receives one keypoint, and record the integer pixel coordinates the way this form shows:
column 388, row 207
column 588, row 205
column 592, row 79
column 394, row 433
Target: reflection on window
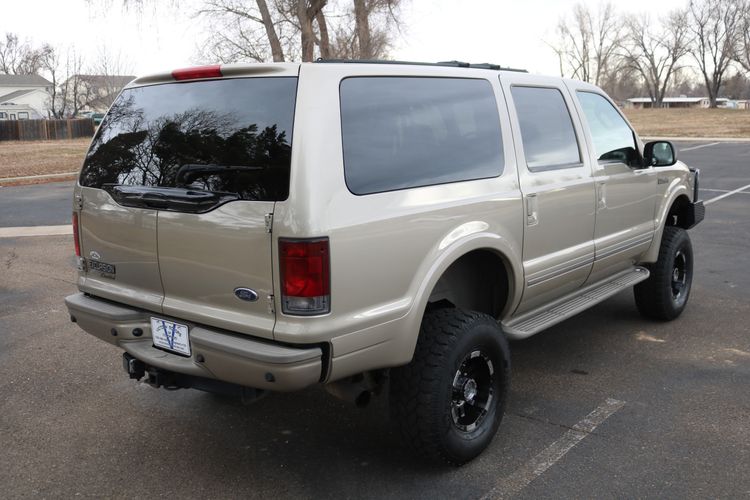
column 549, row 140
column 151, row 132
column 613, row 139
column 403, row 132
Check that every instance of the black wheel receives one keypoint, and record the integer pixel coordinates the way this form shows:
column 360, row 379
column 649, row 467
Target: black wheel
column 665, row 293
column 448, row 402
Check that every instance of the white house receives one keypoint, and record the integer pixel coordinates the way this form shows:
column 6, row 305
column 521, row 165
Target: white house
column 24, row 97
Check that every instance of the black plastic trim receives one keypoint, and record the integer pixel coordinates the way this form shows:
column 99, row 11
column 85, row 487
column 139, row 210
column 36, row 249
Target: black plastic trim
column 694, row 214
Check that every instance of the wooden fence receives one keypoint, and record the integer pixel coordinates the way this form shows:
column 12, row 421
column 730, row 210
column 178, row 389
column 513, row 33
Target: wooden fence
column 40, row 130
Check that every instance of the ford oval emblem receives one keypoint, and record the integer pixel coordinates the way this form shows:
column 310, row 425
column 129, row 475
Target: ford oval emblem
column 247, row 294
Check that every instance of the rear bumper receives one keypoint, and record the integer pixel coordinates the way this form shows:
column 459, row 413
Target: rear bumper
column 223, row 356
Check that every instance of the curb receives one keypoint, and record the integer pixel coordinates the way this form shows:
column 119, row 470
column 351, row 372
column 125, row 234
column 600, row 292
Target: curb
column 16, row 232
column 36, row 177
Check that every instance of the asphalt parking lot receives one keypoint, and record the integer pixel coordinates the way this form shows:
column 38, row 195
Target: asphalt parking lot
column 606, row 404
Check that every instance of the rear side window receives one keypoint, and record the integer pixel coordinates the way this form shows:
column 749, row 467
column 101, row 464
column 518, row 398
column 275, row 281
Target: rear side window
column 549, row 140
column 229, row 136
column 404, row 132
column 614, row 142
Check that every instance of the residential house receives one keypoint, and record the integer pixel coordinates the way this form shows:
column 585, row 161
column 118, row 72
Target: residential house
column 94, row 93
column 24, row 97
column 676, row 102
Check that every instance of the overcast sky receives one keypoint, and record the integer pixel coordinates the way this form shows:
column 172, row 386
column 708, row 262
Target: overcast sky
column 510, row 33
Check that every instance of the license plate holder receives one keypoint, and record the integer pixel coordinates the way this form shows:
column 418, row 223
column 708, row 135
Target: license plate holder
column 171, row 336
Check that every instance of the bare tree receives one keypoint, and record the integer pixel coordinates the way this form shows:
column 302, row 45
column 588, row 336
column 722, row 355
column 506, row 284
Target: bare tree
column 251, row 30
column 67, row 97
column 367, row 30
column 307, row 12
column 243, row 30
column 655, row 50
column 362, row 23
column 715, row 26
column 742, row 45
column 109, row 73
column 282, row 30
column 18, row 57
column 300, row 29
column 587, row 44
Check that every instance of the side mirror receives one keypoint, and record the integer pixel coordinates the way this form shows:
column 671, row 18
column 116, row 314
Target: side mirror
column 659, row 154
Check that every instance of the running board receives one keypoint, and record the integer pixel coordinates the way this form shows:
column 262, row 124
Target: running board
column 542, row 318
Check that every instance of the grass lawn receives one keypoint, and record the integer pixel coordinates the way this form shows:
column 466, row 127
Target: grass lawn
column 732, row 123
column 21, row 158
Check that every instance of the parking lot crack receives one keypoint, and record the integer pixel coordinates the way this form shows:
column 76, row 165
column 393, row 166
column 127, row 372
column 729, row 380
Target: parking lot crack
column 556, row 424
column 52, row 278
column 12, row 257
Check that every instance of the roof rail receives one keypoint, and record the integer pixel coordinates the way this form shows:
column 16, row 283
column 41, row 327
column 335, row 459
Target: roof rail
column 455, row 64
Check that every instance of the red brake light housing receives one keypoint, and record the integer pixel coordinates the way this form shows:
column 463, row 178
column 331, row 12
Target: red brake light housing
column 76, row 237
column 213, row 71
column 305, row 276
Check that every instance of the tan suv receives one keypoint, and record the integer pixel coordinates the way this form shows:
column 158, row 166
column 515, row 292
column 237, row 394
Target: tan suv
column 268, row 227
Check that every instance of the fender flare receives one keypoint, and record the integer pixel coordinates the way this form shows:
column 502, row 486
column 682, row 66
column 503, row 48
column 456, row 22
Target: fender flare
column 478, row 241
column 676, row 190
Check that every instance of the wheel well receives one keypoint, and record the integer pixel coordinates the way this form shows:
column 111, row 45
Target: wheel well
column 678, row 212
column 478, row 281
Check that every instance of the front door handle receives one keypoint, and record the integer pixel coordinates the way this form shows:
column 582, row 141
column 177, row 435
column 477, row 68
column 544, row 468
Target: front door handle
column 601, row 195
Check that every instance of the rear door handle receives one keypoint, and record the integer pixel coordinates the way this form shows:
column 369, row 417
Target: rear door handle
column 532, row 210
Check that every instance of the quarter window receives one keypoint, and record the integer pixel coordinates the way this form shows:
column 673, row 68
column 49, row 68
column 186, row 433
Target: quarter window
column 404, row 132
column 613, row 139
column 549, row 140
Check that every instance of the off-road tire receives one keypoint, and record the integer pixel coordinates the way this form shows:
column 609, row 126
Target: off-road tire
column 657, row 297
column 424, row 402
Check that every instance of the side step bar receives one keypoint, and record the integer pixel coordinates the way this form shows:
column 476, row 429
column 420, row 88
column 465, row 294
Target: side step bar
column 542, row 318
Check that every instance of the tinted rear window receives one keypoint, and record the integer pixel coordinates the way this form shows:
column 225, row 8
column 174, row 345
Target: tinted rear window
column 150, row 133
column 401, row 132
column 549, row 140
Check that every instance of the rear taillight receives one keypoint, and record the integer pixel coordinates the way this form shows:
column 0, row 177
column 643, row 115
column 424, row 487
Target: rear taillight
column 196, row 72
column 76, row 238
column 305, row 276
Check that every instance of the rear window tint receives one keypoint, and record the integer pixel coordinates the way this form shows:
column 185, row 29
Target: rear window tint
column 403, row 132
column 245, row 124
column 549, row 140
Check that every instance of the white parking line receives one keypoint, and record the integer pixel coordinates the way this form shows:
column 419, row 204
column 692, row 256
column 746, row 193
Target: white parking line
column 718, row 190
column 698, row 147
column 722, row 196
column 15, row 232
column 518, row 480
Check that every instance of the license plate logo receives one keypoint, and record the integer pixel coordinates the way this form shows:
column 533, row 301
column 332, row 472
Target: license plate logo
column 171, row 336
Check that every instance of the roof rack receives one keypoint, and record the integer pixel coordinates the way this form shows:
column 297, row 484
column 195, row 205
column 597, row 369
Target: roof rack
column 455, row 64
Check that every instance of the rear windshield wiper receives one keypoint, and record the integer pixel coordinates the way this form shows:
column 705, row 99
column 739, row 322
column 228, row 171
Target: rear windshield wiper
column 168, row 198
column 188, row 172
